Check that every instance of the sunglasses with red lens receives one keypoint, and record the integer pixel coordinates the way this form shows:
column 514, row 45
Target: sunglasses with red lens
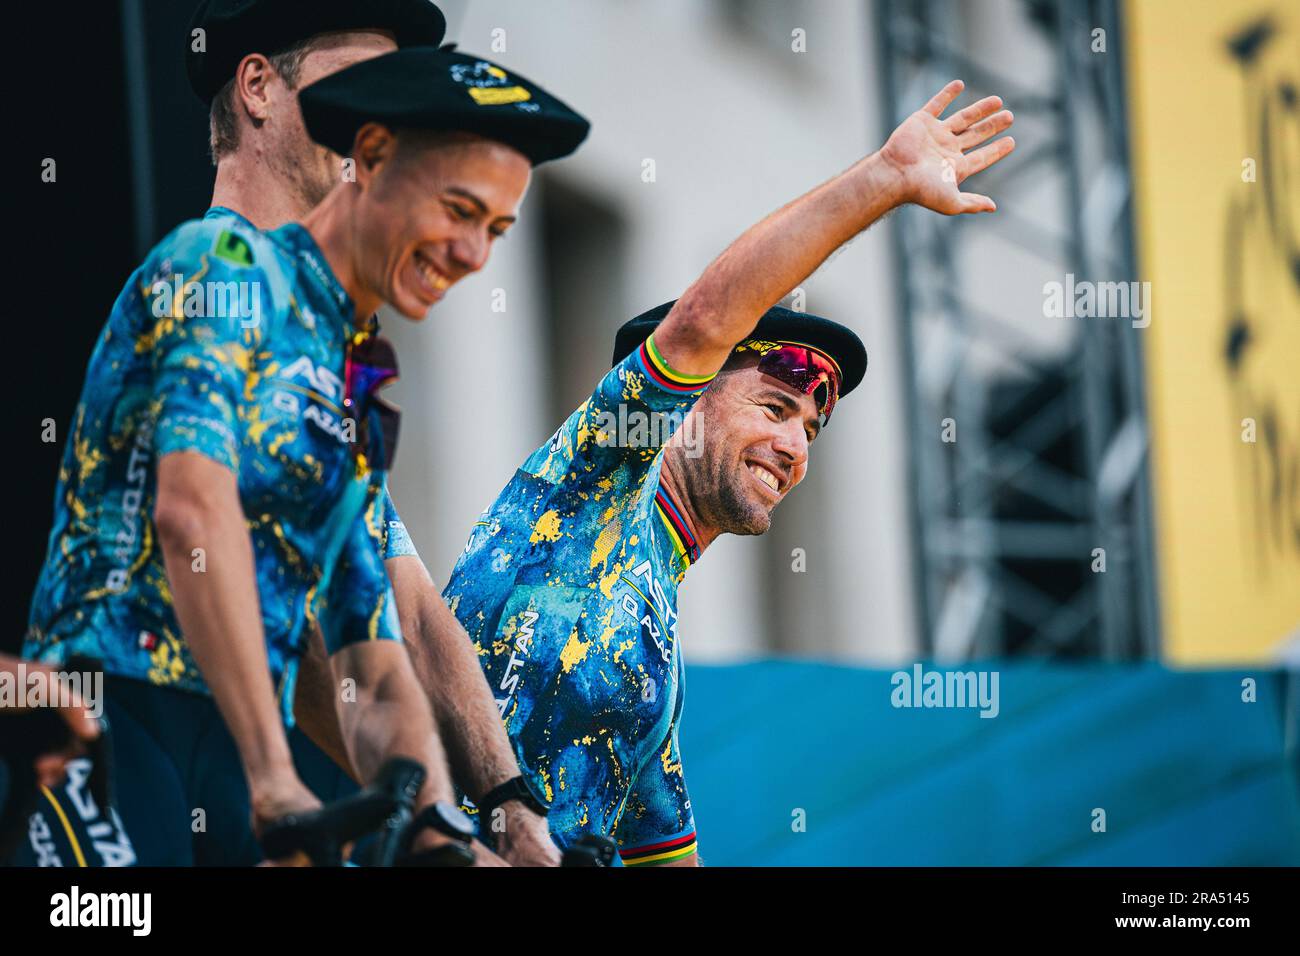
column 370, row 365
column 803, row 368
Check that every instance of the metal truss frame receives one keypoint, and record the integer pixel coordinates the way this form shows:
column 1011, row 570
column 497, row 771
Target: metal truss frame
column 1054, row 464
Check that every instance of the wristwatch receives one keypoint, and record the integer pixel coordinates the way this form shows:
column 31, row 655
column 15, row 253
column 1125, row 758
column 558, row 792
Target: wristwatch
column 516, row 788
column 445, row 819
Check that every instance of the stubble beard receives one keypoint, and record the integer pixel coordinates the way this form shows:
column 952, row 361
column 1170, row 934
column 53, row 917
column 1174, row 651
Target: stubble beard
column 718, row 495
column 316, row 178
column 306, row 170
column 737, row 511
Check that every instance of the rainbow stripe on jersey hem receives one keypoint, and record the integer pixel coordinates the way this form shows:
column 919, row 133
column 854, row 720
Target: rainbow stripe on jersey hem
column 657, row 854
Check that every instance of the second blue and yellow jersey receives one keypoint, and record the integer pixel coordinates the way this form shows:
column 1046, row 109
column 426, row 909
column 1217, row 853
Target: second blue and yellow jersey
column 230, row 343
column 396, row 540
column 568, row 588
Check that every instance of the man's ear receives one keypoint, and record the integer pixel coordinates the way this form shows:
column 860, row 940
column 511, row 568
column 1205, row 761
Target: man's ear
column 252, row 79
column 373, row 147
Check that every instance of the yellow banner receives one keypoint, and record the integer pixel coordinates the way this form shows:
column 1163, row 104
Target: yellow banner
column 1215, row 116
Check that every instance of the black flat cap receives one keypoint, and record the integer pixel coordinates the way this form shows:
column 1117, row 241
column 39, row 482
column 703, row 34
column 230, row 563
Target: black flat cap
column 235, row 28
column 778, row 324
column 441, row 90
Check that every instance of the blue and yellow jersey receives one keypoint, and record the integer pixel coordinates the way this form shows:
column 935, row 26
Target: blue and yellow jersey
column 228, row 342
column 396, row 540
column 568, row 587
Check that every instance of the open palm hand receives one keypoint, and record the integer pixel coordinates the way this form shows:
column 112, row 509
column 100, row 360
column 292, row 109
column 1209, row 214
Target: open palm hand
column 935, row 156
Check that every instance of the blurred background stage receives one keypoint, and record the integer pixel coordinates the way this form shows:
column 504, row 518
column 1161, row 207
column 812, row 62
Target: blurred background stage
column 1115, row 529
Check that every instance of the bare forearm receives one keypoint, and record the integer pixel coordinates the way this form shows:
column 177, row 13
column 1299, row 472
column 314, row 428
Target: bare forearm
column 771, row 258
column 390, row 718
column 448, row 670
column 315, row 704
column 219, row 614
column 463, row 701
column 774, row 256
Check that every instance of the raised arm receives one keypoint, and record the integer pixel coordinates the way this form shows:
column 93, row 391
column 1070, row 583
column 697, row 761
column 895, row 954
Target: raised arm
column 923, row 162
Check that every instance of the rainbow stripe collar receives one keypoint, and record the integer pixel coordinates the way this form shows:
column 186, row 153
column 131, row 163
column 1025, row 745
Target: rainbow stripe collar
column 684, row 543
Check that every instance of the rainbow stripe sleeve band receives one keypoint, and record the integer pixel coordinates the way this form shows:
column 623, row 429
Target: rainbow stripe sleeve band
column 657, row 854
column 664, row 375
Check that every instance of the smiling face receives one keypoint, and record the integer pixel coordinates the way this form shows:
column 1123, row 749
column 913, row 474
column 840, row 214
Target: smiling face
column 757, row 432
column 431, row 211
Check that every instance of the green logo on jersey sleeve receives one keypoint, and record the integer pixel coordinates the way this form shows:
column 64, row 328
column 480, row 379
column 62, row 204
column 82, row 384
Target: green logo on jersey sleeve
column 234, row 249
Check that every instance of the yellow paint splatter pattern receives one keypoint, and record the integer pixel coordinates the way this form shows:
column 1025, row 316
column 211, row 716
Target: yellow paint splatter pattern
column 568, row 588
column 256, row 391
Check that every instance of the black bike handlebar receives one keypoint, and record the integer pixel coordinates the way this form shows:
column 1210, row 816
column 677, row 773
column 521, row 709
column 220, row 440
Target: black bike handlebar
column 385, row 804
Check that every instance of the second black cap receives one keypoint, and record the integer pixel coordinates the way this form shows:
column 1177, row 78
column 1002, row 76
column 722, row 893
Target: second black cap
column 441, row 90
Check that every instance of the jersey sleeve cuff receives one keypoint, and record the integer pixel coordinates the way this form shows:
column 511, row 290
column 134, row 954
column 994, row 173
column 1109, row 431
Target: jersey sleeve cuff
column 664, row 375
column 207, row 436
column 397, row 541
column 659, row 852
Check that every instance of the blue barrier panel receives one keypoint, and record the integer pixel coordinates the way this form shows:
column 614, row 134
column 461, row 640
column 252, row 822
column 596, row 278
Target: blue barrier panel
column 1186, row 772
